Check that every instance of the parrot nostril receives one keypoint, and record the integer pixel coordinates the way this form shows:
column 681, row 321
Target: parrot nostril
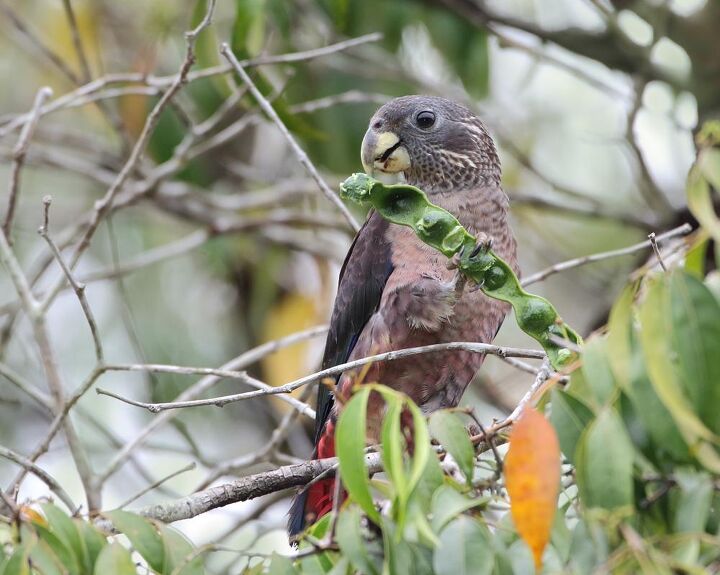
column 377, row 125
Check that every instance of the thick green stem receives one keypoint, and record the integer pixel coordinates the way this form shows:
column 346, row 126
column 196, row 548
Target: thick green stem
column 408, row 206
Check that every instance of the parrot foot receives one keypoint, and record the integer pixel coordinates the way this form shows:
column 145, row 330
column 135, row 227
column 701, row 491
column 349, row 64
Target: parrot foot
column 483, row 243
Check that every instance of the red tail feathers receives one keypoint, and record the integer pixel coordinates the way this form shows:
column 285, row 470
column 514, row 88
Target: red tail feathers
column 318, row 499
column 320, row 495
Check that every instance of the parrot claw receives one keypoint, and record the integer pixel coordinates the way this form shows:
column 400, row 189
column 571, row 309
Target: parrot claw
column 459, row 282
column 483, row 244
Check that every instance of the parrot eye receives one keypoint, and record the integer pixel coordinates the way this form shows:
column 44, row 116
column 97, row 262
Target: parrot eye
column 425, row 119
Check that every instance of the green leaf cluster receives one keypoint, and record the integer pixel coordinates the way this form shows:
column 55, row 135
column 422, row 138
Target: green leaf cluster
column 57, row 544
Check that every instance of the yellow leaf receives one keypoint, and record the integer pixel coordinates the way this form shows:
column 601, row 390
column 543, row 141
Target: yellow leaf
column 27, row 513
column 532, row 479
column 292, row 313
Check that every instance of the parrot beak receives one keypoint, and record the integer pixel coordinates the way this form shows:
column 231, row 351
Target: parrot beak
column 384, row 152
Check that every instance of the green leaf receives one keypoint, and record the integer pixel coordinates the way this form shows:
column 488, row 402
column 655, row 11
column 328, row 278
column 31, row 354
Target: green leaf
column 67, row 531
column 281, row 565
column 142, row 535
column 692, row 505
column 18, row 562
column 44, row 559
column 696, row 331
column 114, row 559
column 449, row 431
column 352, row 543
column 421, row 436
column 597, row 372
column 248, row 33
column 464, row 549
column 695, row 257
column 178, row 553
column 655, row 337
column 701, row 204
column 93, row 539
column 65, row 557
column 569, row 417
column 709, row 163
column 393, row 448
column 448, row 503
column 604, row 461
column 350, row 448
column 619, row 353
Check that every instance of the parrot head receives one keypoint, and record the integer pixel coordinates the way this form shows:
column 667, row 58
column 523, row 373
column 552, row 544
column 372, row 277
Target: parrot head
column 434, row 143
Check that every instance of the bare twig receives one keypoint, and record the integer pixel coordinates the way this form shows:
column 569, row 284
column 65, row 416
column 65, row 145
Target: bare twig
column 653, row 243
column 293, row 385
column 244, row 377
column 41, row 474
column 78, row 288
column 103, row 206
column 248, row 487
column 299, row 152
column 19, row 157
column 240, row 362
column 159, row 82
column 77, row 41
column 157, row 484
column 576, row 262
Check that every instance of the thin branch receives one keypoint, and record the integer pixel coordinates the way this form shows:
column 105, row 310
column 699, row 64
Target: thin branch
column 103, row 206
column 576, row 262
column 299, row 152
column 19, row 157
column 41, row 474
column 293, row 385
column 244, row 377
column 78, row 288
column 38, row 44
column 77, row 42
column 157, row 484
column 654, row 244
column 68, row 100
column 240, row 362
column 249, row 487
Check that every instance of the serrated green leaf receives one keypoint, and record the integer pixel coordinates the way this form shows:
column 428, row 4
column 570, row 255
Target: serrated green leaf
column 114, row 559
column 569, row 417
column 449, row 431
column 350, row 449
column 696, row 331
column 448, row 503
column 352, row 543
column 464, row 549
column 604, row 461
column 143, row 536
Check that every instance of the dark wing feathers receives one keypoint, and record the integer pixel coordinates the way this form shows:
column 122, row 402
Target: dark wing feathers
column 362, row 280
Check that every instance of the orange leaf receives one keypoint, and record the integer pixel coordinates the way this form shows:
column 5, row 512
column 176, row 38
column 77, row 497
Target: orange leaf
column 532, row 479
column 29, row 514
